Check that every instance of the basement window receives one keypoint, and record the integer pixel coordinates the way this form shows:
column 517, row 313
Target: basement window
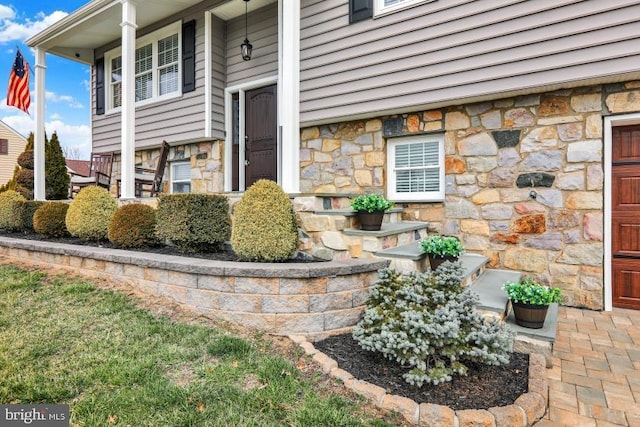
column 181, row 177
column 416, row 168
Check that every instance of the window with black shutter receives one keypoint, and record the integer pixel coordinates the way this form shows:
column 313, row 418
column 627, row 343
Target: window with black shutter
column 99, row 66
column 360, row 10
column 189, row 56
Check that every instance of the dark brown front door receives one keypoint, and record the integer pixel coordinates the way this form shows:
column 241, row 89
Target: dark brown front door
column 261, row 135
column 625, row 221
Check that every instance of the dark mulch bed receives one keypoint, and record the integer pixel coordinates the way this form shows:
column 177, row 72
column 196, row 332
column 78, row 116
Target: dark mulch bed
column 226, row 255
column 484, row 387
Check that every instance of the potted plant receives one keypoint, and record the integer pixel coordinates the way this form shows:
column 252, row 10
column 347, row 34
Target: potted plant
column 530, row 301
column 441, row 248
column 370, row 210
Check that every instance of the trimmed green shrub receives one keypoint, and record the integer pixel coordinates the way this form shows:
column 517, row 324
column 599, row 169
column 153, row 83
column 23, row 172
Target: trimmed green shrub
column 27, row 210
column 264, row 224
column 90, row 212
column 50, row 219
column 25, row 160
column 428, row 323
column 193, row 222
column 25, row 178
column 10, row 203
column 133, row 226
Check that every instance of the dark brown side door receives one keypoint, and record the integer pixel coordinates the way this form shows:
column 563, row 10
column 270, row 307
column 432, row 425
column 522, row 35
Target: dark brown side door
column 261, row 149
column 625, row 238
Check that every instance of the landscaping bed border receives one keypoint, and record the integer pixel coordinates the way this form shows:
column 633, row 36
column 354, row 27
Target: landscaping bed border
column 528, row 409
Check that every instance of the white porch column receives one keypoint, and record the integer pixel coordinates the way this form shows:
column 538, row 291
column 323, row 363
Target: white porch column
column 208, row 67
column 128, row 143
column 38, row 149
column 289, row 96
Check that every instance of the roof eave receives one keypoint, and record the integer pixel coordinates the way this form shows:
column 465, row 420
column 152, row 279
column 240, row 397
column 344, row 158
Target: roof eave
column 68, row 22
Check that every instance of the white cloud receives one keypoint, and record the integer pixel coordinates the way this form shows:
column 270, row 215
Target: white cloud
column 77, row 137
column 7, row 12
column 68, row 99
column 11, row 30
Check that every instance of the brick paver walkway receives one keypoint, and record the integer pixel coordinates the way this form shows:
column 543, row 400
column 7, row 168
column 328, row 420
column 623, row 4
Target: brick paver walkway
column 595, row 379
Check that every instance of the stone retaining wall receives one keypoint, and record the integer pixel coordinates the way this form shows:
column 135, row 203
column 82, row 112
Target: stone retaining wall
column 524, row 177
column 314, row 299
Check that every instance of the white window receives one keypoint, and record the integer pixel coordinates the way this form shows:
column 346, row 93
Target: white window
column 181, row 177
column 416, row 168
column 386, row 6
column 157, row 67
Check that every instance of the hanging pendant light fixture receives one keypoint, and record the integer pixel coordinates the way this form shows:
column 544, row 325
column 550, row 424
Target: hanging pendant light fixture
column 246, row 47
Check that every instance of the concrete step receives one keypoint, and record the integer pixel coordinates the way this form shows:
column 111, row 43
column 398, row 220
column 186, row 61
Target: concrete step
column 389, row 236
column 489, row 286
column 350, row 217
column 495, row 303
column 409, row 257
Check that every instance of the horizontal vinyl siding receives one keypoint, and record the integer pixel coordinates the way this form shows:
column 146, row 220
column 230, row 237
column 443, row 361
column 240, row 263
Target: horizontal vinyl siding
column 174, row 120
column 447, row 52
column 263, row 35
column 16, row 146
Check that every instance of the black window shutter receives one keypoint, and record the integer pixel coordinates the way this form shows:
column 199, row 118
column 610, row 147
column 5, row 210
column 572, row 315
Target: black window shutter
column 99, row 65
column 360, row 10
column 189, row 56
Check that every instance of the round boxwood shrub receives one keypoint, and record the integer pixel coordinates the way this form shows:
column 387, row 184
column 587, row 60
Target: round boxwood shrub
column 133, row 226
column 90, row 212
column 50, row 219
column 27, row 211
column 264, row 224
column 10, row 204
column 194, row 222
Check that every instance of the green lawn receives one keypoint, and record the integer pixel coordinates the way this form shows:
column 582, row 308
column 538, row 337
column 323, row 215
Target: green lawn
column 67, row 341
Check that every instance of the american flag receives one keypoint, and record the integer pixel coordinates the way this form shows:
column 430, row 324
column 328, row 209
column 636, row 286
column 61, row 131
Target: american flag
column 18, row 95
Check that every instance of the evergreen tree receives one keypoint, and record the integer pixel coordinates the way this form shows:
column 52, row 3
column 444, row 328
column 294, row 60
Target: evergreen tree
column 56, row 176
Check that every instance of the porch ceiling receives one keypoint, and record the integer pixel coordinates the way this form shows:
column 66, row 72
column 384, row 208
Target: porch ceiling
column 98, row 23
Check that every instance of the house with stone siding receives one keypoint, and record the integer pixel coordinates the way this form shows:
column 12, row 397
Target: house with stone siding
column 512, row 125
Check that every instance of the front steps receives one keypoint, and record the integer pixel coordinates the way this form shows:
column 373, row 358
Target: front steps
column 331, row 231
column 335, row 233
column 487, row 283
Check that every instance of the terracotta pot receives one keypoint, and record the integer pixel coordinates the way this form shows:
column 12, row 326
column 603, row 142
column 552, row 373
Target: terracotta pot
column 529, row 315
column 370, row 221
column 435, row 261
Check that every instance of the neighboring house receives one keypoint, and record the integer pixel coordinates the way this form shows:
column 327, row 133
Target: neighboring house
column 12, row 144
column 514, row 125
column 78, row 167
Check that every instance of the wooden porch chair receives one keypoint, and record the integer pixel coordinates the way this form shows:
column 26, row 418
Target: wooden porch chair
column 100, row 173
column 150, row 180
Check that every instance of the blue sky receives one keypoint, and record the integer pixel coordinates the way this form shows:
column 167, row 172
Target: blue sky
column 67, row 83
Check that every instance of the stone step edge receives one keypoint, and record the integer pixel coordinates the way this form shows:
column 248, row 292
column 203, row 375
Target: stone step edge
column 351, row 212
column 530, row 406
column 388, row 229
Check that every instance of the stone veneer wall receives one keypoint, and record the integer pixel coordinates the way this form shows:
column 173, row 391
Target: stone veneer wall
column 206, row 165
column 497, row 154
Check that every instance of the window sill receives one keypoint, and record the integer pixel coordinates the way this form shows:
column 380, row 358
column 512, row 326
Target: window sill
column 379, row 13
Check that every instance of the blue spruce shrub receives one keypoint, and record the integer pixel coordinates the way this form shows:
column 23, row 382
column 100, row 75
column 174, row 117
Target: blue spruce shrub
column 427, row 321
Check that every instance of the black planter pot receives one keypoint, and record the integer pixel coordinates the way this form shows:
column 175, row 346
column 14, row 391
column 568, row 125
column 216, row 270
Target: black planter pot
column 529, row 315
column 370, row 221
column 435, row 261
